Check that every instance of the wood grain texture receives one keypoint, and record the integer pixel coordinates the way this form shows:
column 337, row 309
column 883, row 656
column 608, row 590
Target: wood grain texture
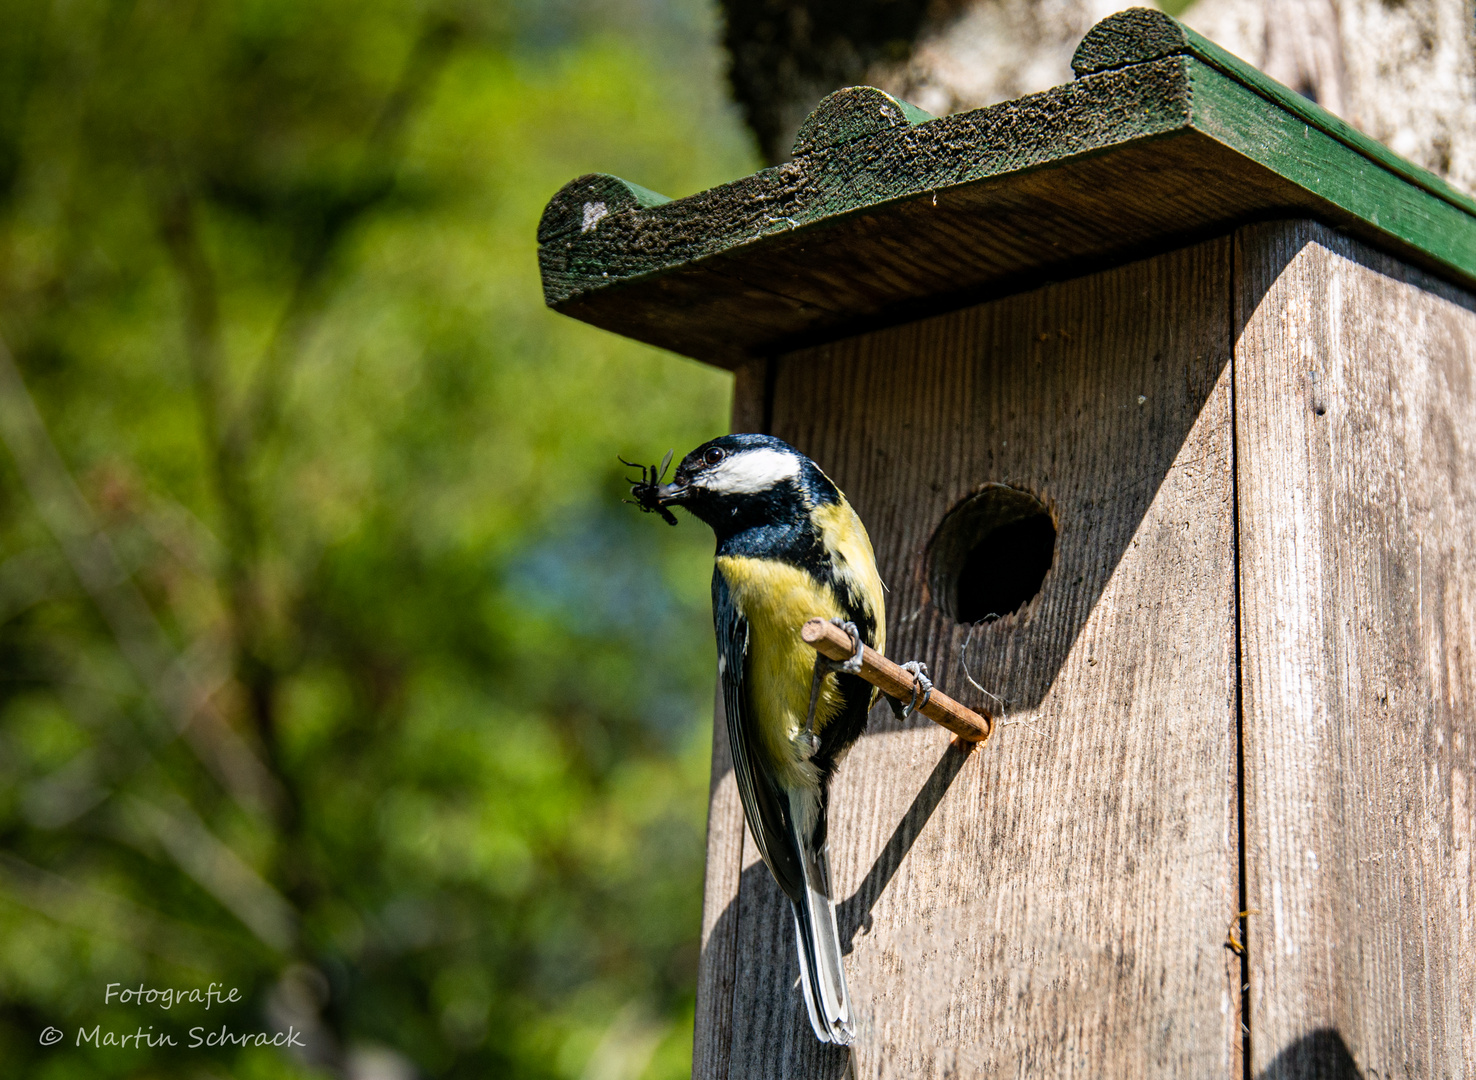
column 1141, row 34
column 729, row 272
column 1355, row 395
column 750, row 396
column 851, row 114
column 1055, row 903
column 1162, row 139
column 716, row 964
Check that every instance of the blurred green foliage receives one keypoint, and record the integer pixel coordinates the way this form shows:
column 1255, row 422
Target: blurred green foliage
column 333, row 669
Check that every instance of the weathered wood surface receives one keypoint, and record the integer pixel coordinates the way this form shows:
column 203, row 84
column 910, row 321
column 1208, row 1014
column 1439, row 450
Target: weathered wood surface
column 1355, row 392
column 1056, row 903
column 1404, row 73
column 1162, row 138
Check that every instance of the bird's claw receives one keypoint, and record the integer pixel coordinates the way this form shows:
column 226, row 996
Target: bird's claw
column 823, row 664
column 853, row 665
column 921, row 683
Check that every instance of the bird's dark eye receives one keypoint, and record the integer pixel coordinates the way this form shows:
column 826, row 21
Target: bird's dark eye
column 714, row 455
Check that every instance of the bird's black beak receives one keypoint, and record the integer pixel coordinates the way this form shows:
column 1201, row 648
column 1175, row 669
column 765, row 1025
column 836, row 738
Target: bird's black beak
column 672, row 494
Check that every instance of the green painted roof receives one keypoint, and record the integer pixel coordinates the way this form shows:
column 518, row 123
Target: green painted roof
column 886, row 214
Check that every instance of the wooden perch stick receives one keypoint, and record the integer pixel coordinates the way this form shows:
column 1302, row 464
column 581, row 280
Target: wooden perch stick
column 830, row 640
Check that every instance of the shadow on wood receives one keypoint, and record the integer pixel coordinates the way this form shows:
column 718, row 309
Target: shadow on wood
column 1107, row 397
column 1318, row 1055
column 782, row 1011
column 1081, row 393
column 776, row 1017
column 854, row 914
column 1066, row 896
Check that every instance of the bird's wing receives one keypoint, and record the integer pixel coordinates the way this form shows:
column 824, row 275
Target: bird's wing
column 764, row 805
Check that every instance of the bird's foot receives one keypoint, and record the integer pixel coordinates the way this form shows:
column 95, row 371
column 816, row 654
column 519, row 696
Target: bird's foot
column 921, row 685
column 824, row 664
column 853, row 665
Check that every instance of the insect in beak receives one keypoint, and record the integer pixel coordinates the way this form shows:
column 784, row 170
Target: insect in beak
column 650, row 494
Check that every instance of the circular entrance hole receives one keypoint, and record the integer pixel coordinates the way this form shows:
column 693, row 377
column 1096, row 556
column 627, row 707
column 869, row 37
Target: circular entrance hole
column 990, row 554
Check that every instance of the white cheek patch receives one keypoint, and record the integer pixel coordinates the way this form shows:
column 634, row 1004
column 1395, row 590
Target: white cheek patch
column 751, row 471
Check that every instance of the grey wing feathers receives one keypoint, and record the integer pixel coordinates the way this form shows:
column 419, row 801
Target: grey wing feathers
column 797, row 863
column 818, row 940
column 764, row 805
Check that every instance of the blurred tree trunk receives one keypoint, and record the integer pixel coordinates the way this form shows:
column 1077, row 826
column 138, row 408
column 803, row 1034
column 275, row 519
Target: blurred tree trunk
column 1404, row 71
column 942, row 55
column 973, row 53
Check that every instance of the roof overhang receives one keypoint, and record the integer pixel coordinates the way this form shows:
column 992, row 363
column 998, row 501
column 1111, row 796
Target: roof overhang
column 885, row 214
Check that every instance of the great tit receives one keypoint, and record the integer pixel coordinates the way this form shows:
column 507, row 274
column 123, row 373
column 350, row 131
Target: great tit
column 789, row 548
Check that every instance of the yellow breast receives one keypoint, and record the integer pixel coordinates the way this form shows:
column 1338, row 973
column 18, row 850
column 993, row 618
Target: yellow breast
column 777, row 599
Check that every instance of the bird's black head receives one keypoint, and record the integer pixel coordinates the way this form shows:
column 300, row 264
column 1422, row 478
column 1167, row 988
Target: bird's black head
column 738, row 482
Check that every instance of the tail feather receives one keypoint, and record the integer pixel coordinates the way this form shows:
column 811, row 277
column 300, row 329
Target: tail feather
column 818, row 943
column 817, row 940
column 806, row 965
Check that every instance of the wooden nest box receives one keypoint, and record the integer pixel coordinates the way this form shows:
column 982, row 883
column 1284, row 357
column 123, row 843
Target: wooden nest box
column 1157, row 392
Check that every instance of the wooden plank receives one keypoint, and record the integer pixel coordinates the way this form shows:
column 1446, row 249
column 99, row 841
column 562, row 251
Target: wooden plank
column 582, row 251
column 716, row 964
column 1355, row 390
column 1055, row 903
column 1163, row 138
column 1141, row 34
column 940, row 251
column 1353, row 187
